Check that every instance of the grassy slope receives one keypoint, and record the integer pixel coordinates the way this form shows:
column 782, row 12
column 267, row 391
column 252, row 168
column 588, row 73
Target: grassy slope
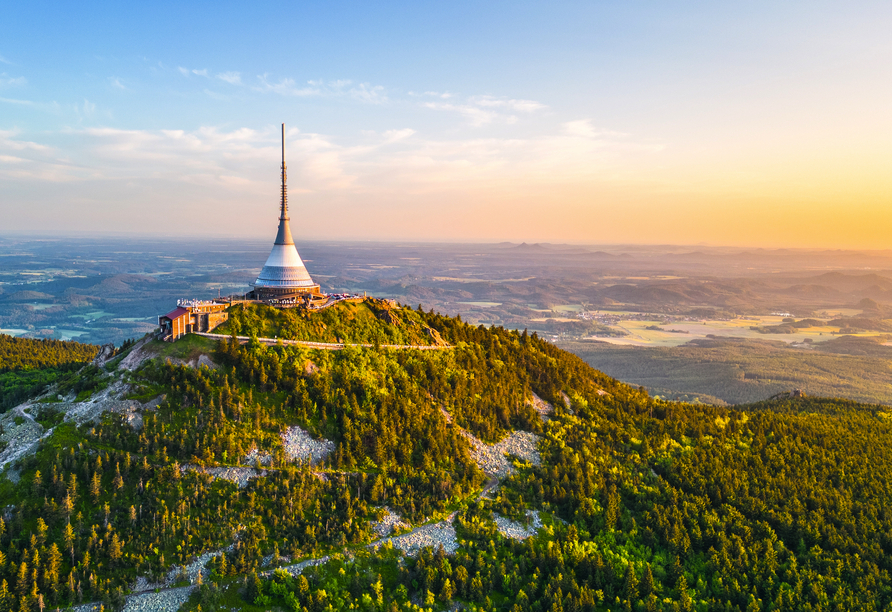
column 368, row 321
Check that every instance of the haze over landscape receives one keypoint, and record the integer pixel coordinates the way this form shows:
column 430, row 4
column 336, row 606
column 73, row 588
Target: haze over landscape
column 573, row 307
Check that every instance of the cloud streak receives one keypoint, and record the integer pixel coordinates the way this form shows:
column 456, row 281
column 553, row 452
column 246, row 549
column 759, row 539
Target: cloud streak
column 233, row 78
column 484, row 110
column 189, row 72
column 8, row 81
column 319, row 163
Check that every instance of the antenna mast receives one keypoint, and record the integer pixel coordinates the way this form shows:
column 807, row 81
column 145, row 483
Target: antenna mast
column 284, row 214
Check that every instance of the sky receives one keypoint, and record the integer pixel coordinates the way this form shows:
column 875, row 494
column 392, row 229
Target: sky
column 746, row 123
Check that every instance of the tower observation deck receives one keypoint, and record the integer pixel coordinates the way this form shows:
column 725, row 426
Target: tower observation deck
column 284, row 274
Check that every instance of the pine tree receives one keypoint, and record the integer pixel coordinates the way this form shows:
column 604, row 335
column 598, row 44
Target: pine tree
column 72, row 487
column 647, row 582
column 37, row 485
column 68, row 507
column 446, row 592
column 6, row 598
column 22, row 584
column 118, row 481
column 631, row 584
column 114, row 547
column 68, row 538
column 42, row 528
column 52, row 569
column 681, row 587
column 72, row 587
column 254, row 587
column 96, row 486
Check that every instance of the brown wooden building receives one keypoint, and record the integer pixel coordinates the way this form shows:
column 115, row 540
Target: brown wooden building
column 192, row 316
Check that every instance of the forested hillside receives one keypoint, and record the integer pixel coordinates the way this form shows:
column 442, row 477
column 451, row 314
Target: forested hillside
column 30, row 353
column 643, row 504
column 27, row 365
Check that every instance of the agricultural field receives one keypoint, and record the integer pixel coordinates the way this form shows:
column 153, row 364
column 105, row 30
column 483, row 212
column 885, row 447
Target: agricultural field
column 737, row 370
column 683, row 332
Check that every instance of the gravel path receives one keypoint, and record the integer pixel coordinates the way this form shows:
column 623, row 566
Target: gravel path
column 297, row 568
column 168, row 600
column 20, row 439
column 385, row 526
column 544, row 409
column 238, row 475
column 299, row 445
column 433, row 534
column 257, row 457
column 492, row 458
column 518, row 531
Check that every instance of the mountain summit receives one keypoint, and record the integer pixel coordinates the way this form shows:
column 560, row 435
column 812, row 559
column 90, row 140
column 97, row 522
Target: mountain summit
column 298, row 463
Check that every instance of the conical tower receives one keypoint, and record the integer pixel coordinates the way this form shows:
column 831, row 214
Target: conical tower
column 284, row 274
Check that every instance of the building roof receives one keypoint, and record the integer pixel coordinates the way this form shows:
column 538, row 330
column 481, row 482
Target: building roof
column 176, row 313
column 284, row 268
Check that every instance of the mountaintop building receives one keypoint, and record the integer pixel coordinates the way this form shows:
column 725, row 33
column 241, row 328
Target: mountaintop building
column 284, row 276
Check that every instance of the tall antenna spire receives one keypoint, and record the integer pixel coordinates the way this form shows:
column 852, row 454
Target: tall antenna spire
column 284, row 274
column 284, row 214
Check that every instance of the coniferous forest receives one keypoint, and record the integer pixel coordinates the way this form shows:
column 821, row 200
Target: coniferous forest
column 28, row 366
column 644, row 504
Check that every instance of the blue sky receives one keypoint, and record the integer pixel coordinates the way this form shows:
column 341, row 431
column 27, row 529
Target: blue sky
column 560, row 121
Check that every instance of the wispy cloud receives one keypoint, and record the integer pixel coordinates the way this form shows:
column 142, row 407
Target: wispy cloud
column 392, row 136
column 288, row 87
column 583, row 128
column 212, row 175
column 483, row 110
column 520, row 106
column 28, row 160
column 372, row 94
column 3, row 60
column 393, row 161
column 9, row 141
column 444, row 95
column 20, row 102
column 187, row 72
column 116, row 83
column 233, row 78
column 215, row 95
column 8, row 81
column 363, row 92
